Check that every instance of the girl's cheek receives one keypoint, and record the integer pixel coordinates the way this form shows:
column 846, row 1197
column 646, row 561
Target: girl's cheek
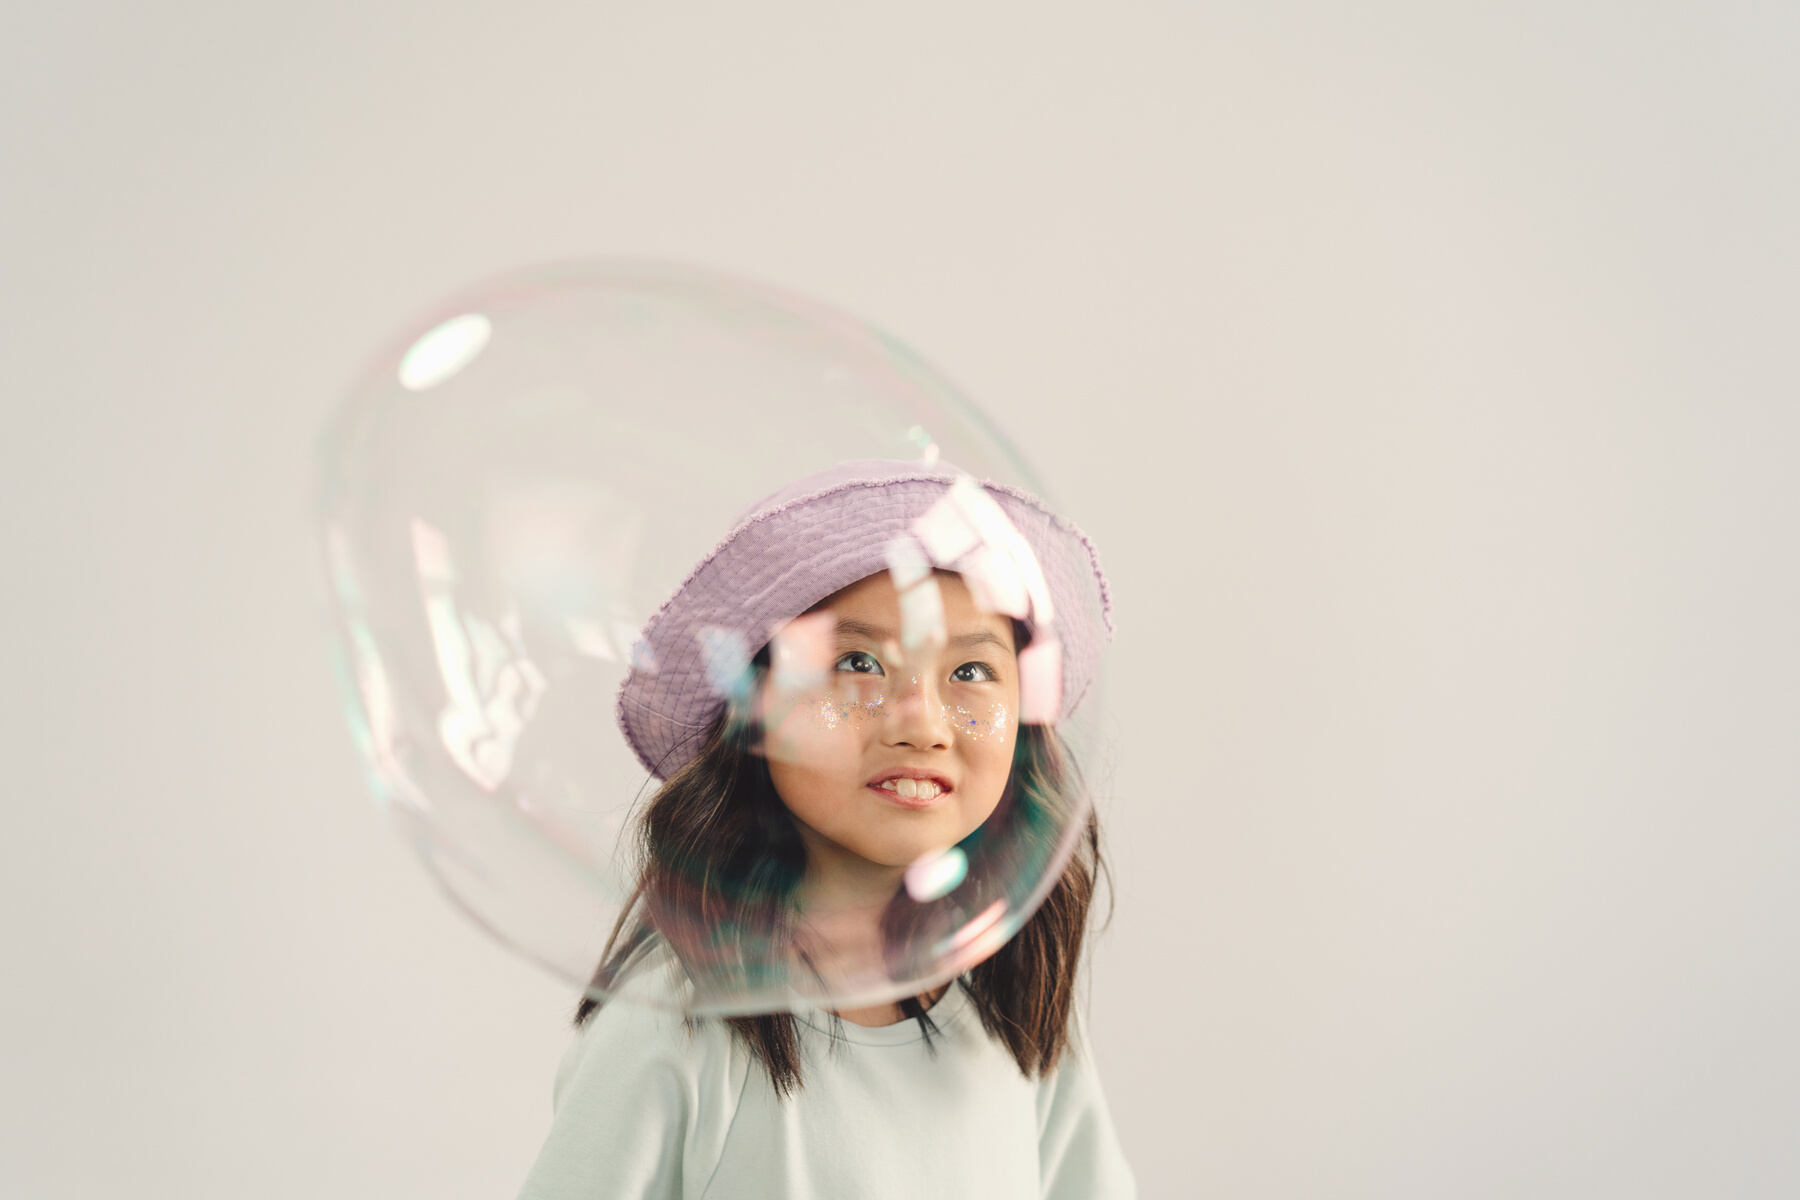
column 984, row 735
column 834, row 713
column 820, row 731
column 992, row 723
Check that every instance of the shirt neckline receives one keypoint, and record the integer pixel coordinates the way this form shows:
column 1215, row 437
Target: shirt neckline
column 945, row 1014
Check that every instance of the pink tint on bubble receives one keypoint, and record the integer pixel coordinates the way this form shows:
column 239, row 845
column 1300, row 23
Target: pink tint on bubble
column 978, row 940
column 984, row 921
column 1040, row 683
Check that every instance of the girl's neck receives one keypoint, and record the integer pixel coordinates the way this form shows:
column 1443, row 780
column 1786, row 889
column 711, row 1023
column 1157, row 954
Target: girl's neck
column 845, row 896
column 838, row 879
column 890, row 1014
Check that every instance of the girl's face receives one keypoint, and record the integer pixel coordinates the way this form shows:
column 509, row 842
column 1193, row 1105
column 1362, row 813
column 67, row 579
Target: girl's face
column 898, row 754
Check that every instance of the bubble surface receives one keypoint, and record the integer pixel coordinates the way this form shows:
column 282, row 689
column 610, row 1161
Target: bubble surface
column 508, row 502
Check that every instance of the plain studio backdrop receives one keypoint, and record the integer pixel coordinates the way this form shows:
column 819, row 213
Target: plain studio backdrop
column 1428, row 375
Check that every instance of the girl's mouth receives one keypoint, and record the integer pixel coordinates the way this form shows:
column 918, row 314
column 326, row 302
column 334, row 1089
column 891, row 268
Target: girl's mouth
column 910, row 790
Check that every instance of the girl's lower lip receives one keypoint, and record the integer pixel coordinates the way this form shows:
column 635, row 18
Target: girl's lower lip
column 905, row 801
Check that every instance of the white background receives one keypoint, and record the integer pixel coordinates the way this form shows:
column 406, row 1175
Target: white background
column 1428, row 376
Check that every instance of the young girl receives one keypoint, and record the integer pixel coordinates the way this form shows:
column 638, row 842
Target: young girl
column 858, row 752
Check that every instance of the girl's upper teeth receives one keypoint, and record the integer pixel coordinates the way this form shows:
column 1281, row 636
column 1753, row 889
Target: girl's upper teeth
column 913, row 789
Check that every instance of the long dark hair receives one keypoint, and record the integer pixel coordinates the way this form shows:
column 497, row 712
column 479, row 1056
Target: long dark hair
column 721, row 862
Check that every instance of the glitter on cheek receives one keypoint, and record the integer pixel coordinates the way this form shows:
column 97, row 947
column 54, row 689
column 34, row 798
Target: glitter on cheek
column 978, row 729
column 833, row 714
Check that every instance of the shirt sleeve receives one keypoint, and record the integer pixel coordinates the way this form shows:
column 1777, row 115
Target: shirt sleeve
column 625, row 1101
column 1078, row 1152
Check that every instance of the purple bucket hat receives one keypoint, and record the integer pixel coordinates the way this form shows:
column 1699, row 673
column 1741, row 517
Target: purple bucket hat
column 814, row 537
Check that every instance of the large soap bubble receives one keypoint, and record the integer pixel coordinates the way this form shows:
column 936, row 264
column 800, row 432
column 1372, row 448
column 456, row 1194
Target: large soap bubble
column 578, row 525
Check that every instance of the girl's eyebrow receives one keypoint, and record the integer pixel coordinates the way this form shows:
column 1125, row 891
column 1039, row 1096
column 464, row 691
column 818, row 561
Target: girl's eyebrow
column 983, row 637
column 862, row 629
column 851, row 630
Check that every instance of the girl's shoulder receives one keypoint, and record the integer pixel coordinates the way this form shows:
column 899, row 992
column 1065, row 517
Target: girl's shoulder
column 642, row 1037
column 643, row 1100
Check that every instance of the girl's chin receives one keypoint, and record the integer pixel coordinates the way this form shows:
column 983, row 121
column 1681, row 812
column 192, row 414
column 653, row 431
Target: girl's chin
column 901, row 852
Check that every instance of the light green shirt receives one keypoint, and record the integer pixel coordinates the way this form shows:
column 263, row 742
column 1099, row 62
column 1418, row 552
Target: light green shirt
column 647, row 1106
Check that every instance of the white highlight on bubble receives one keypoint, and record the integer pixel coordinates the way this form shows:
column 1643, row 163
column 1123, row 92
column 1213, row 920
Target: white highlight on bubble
column 628, row 637
column 981, row 510
column 944, row 532
column 444, row 351
column 378, row 732
column 800, row 652
column 614, row 641
column 994, row 583
column 641, row 657
column 968, row 531
column 922, row 615
column 1031, row 572
column 590, row 639
column 936, row 873
column 727, row 661
column 906, row 562
column 928, row 449
column 491, row 688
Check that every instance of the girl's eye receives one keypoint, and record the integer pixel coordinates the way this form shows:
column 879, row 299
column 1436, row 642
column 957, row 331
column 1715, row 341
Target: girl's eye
column 972, row 672
column 860, row 662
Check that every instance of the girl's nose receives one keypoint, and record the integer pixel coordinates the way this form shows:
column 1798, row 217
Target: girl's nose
column 917, row 718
